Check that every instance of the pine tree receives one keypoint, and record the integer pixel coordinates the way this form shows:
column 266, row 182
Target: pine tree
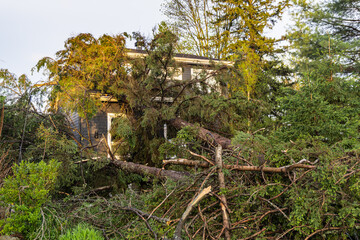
column 325, row 102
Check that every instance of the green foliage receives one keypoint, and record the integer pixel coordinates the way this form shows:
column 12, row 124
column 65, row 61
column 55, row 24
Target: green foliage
column 25, row 192
column 122, row 130
column 185, row 140
column 116, row 215
column 52, row 223
column 274, row 121
column 80, row 69
column 82, row 232
column 328, row 109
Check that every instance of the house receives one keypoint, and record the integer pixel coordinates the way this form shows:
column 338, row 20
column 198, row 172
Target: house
column 98, row 127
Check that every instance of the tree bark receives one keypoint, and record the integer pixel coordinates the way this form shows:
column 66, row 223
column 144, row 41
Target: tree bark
column 186, row 162
column 152, row 171
column 199, row 197
column 223, row 202
column 284, row 169
column 204, row 134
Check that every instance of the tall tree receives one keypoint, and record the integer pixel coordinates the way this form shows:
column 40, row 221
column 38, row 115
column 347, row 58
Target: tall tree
column 195, row 23
column 248, row 20
column 328, row 30
column 324, row 60
column 85, row 64
column 238, row 27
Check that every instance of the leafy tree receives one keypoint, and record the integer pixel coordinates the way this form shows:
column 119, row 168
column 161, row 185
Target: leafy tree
column 195, row 23
column 248, row 20
column 85, row 64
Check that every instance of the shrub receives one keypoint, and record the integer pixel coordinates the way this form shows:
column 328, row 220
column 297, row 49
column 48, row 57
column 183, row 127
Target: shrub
column 26, row 191
column 82, row 232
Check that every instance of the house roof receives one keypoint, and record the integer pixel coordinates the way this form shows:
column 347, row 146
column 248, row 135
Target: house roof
column 183, row 58
column 179, row 57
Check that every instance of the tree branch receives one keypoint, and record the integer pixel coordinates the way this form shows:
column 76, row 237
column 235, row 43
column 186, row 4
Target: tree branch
column 199, row 197
column 283, row 169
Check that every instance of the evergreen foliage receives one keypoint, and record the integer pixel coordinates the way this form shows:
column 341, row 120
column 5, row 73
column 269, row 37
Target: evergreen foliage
column 81, row 232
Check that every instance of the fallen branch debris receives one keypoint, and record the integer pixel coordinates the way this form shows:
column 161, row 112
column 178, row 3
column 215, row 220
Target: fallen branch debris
column 198, row 198
column 283, row 169
column 204, row 134
column 152, row 171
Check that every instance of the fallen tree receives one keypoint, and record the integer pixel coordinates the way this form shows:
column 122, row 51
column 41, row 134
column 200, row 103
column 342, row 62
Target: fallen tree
column 145, row 170
column 203, row 133
column 152, row 171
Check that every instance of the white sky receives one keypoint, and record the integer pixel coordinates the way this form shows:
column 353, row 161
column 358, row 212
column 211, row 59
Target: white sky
column 33, row 29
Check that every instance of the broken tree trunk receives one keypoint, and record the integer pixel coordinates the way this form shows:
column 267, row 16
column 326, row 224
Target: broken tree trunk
column 223, row 202
column 204, row 134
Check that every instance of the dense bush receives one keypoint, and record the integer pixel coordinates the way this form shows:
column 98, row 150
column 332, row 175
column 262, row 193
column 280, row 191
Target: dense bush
column 82, row 232
column 25, row 193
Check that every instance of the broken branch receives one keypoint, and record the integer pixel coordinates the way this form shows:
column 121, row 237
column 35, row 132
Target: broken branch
column 223, row 202
column 283, row 169
column 199, row 197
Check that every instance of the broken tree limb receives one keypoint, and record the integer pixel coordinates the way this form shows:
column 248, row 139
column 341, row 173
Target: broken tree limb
column 223, row 202
column 146, row 170
column 199, row 197
column 283, row 169
column 201, row 156
column 204, row 134
column 182, row 161
column 152, row 171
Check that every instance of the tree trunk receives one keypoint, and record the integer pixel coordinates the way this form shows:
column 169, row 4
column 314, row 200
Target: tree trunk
column 204, row 134
column 223, row 202
column 152, row 171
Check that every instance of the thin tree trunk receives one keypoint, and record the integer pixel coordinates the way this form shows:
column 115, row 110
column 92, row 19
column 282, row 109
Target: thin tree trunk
column 223, row 202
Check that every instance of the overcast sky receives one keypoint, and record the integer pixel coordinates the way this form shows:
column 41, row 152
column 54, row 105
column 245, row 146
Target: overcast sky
column 33, row 29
